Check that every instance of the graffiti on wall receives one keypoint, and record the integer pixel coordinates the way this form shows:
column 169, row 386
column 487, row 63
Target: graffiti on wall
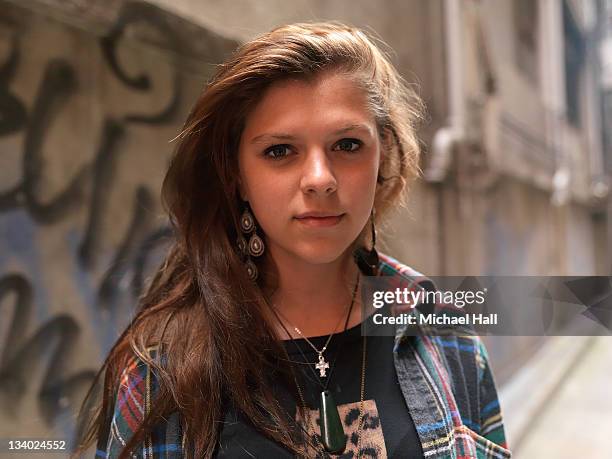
column 36, row 335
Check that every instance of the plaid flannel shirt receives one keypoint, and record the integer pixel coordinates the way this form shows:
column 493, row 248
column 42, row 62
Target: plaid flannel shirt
column 446, row 381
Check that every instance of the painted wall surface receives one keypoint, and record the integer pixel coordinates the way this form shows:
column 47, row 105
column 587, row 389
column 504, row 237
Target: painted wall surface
column 85, row 129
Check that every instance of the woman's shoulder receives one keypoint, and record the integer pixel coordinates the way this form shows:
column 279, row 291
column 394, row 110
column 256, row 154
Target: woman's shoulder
column 138, row 377
column 390, row 266
column 136, row 391
column 460, row 363
column 402, row 274
column 467, row 349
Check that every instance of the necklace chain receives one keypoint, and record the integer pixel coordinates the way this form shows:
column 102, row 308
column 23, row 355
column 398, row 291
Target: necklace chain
column 322, row 365
column 361, row 404
column 321, row 362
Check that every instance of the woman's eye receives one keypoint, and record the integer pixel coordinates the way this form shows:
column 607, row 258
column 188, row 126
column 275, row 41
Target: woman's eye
column 277, row 151
column 348, row 145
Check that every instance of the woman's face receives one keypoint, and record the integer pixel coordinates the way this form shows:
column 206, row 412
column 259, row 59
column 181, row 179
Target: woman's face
column 309, row 158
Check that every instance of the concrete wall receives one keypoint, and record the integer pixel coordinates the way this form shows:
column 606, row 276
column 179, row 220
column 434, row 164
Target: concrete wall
column 85, row 127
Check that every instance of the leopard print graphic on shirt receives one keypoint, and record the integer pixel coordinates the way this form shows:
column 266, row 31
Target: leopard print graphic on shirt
column 372, row 439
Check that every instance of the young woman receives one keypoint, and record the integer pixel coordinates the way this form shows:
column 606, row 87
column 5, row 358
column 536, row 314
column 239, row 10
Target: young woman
column 248, row 342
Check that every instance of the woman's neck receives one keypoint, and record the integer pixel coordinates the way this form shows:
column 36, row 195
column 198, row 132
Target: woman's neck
column 315, row 298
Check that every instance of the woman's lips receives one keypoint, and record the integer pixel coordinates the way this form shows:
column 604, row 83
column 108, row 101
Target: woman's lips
column 319, row 222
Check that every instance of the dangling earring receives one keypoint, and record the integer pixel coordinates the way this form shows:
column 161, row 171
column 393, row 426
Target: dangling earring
column 368, row 260
column 255, row 245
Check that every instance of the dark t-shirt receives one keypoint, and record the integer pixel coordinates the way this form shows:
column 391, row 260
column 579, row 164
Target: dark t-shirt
column 388, row 429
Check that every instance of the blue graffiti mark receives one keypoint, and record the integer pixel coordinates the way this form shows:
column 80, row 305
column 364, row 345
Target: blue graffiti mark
column 19, row 250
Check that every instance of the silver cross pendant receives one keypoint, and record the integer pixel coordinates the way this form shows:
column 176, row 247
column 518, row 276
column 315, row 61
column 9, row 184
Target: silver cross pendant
column 322, row 366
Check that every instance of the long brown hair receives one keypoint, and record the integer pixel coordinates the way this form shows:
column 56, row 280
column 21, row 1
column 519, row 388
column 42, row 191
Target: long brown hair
column 201, row 308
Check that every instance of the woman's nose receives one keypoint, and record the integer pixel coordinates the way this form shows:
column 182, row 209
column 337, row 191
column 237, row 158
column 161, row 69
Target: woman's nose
column 317, row 175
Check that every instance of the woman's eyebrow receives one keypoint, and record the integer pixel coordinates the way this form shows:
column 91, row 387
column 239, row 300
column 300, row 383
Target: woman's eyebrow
column 279, row 136
column 352, row 127
column 288, row 137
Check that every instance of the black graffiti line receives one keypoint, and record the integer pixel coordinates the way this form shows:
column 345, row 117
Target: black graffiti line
column 12, row 110
column 136, row 233
column 104, row 170
column 133, row 12
column 15, row 375
column 11, row 199
column 21, row 288
column 13, row 116
column 59, row 83
column 20, row 355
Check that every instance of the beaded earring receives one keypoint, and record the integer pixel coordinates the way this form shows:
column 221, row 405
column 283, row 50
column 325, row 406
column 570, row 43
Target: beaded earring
column 254, row 247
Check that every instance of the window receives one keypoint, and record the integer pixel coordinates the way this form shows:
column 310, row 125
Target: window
column 574, row 61
column 525, row 13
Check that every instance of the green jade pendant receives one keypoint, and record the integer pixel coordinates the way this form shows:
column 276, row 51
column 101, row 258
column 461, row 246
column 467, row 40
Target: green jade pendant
column 332, row 432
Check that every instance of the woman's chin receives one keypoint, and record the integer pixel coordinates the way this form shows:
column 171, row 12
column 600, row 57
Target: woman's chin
column 321, row 254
